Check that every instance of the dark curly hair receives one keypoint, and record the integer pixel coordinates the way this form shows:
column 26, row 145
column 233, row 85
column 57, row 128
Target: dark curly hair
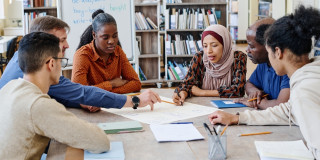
column 295, row 31
column 260, row 33
column 86, row 36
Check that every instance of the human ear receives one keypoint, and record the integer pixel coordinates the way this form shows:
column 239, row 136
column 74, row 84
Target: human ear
column 93, row 35
column 279, row 53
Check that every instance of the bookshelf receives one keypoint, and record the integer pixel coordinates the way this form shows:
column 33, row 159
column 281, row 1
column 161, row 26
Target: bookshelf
column 271, row 8
column 148, row 37
column 184, row 24
column 35, row 8
column 238, row 19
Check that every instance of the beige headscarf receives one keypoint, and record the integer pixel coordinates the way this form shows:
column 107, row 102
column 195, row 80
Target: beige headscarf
column 218, row 74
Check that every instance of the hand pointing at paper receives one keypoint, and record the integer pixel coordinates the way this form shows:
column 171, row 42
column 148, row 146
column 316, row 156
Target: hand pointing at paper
column 222, row 117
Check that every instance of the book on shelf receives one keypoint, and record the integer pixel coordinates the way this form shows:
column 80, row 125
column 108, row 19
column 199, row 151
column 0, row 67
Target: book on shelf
column 144, row 23
column 182, row 68
column 29, row 17
column 175, row 74
column 234, row 33
column 182, row 45
column 142, row 76
column 39, row 3
column 265, row 8
column 234, row 19
column 190, row 18
column 174, row 1
column 234, row 6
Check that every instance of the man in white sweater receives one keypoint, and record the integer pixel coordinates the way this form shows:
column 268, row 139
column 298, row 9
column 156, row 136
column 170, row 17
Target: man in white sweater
column 288, row 42
column 29, row 118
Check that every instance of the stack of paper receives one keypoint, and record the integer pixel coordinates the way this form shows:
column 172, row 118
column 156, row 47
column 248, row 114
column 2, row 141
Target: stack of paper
column 118, row 127
column 269, row 150
column 175, row 132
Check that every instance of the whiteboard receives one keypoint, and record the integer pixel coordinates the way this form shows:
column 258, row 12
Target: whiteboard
column 77, row 14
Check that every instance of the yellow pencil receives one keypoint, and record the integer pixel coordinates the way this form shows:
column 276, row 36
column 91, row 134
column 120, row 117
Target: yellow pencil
column 224, row 129
column 251, row 134
column 250, row 100
column 167, row 102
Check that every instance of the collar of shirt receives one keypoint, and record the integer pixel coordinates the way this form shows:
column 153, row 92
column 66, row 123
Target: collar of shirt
column 96, row 56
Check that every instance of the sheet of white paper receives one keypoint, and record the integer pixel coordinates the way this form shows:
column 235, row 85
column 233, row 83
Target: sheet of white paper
column 283, row 150
column 164, row 112
column 175, row 132
column 116, row 153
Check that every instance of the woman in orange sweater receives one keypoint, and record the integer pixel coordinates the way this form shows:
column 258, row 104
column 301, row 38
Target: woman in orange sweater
column 102, row 63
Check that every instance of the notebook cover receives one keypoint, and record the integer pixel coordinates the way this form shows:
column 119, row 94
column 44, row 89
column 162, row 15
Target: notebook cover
column 115, row 127
column 226, row 104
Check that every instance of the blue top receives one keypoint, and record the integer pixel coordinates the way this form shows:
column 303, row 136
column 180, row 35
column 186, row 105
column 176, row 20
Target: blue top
column 266, row 79
column 68, row 93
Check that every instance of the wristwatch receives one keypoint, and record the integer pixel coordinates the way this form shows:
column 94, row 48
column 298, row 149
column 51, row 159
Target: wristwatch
column 135, row 101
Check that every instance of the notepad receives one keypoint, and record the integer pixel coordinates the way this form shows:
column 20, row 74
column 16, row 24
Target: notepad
column 118, row 127
column 175, row 132
column 226, row 104
column 116, row 152
column 272, row 150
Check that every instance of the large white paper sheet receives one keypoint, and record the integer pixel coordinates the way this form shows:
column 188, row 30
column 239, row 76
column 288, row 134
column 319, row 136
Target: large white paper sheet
column 164, row 112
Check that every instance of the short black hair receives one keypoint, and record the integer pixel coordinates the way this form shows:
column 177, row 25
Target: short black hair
column 34, row 50
column 260, row 33
column 295, row 31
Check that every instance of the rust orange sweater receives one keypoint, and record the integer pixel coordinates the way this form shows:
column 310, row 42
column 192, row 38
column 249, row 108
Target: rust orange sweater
column 90, row 69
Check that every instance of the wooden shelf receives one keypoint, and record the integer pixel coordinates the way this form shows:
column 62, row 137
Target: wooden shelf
column 174, row 80
column 196, row 4
column 185, row 30
column 142, row 31
column 152, row 81
column 38, row 8
column 177, row 56
column 149, row 56
column 145, row 4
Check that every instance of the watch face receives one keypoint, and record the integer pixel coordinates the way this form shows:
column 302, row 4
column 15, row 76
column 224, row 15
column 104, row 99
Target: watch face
column 135, row 99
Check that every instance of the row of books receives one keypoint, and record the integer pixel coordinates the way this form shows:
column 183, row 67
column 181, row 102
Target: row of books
column 182, row 45
column 174, row 1
column 177, row 71
column 29, row 16
column 143, row 23
column 234, row 33
column 39, row 3
column 190, row 18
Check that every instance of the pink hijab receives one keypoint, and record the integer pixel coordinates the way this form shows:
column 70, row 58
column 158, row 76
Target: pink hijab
column 220, row 73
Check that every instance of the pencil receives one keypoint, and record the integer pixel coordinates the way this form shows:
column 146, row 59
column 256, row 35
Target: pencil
column 251, row 134
column 250, row 100
column 224, row 129
column 167, row 102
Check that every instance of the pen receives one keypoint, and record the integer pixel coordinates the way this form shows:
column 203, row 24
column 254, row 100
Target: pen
column 224, row 129
column 250, row 100
column 182, row 123
column 135, row 94
column 251, row 134
column 130, row 131
column 180, row 97
column 206, row 127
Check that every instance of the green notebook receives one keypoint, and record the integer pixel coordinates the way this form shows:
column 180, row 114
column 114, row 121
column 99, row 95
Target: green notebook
column 118, row 127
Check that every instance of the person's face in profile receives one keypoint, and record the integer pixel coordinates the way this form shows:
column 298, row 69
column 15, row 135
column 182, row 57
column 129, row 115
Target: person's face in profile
column 257, row 53
column 62, row 35
column 106, row 38
column 213, row 48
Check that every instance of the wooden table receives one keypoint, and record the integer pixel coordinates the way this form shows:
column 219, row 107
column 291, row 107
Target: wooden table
column 143, row 145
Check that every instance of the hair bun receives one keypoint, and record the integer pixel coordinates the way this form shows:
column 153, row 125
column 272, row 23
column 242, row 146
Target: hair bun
column 95, row 13
column 306, row 22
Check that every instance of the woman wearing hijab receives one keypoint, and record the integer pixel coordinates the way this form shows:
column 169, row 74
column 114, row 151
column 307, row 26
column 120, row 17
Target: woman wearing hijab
column 218, row 71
